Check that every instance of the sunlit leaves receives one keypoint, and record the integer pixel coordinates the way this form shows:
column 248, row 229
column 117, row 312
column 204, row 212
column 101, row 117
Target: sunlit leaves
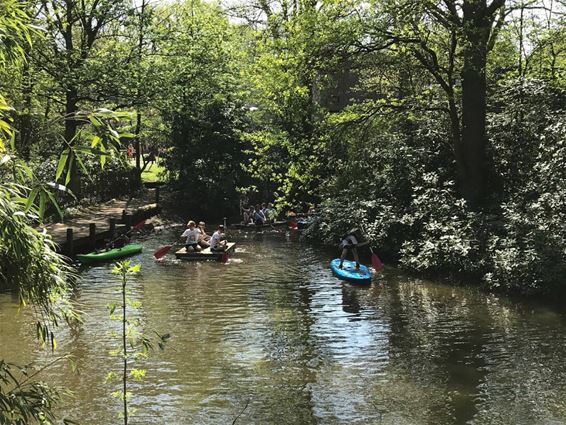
column 134, row 346
column 97, row 141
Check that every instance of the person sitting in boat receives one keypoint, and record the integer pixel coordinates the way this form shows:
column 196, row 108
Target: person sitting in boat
column 218, row 240
column 192, row 234
column 292, row 219
column 270, row 212
column 204, row 239
column 264, row 211
column 245, row 215
column 259, row 216
column 248, row 215
column 120, row 242
column 350, row 242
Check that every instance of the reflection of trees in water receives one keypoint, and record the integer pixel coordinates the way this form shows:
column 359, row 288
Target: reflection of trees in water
column 283, row 394
column 456, row 355
column 434, row 352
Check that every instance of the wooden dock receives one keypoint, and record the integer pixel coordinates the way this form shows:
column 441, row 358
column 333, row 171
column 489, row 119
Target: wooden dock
column 204, row 255
column 90, row 227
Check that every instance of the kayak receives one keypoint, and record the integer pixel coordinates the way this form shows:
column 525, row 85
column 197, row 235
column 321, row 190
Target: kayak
column 349, row 272
column 111, row 254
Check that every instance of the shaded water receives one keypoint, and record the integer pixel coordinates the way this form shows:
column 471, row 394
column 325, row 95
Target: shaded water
column 273, row 330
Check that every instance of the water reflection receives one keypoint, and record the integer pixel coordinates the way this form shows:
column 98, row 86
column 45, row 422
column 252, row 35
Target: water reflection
column 274, row 330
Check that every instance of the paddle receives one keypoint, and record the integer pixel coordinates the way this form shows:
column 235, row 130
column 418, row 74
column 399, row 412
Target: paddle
column 161, row 252
column 375, row 261
column 137, row 226
column 132, row 229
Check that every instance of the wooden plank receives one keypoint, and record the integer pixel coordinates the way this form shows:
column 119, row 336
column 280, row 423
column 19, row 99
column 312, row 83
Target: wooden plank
column 203, row 255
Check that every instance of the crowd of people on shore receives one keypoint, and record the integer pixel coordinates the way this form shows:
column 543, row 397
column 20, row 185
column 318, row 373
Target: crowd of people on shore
column 197, row 239
column 258, row 215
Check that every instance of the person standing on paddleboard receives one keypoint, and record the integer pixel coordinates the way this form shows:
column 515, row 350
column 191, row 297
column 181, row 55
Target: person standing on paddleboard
column 349, row 242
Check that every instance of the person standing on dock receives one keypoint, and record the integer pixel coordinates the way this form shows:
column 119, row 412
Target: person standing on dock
column 193, row 235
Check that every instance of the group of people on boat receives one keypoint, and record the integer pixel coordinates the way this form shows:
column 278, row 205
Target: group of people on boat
column 197, row 238
column 260, row 214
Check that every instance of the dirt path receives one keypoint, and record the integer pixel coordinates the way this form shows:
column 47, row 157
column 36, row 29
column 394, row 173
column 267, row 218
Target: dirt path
column 100, row 215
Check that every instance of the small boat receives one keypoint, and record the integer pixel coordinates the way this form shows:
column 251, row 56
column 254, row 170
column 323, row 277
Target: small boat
column 204, row 255
column 349, row 272
column 109, row 255
column 258, row 226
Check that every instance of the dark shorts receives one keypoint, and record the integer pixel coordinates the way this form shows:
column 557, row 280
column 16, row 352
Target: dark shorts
column 350, row 247
column 191, row 245
column 220, row 249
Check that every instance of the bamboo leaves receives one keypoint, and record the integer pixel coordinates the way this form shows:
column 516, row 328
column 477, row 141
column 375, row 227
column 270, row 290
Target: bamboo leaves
column 134, row 345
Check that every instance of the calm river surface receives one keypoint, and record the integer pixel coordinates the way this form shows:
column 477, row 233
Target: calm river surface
column 274, row 330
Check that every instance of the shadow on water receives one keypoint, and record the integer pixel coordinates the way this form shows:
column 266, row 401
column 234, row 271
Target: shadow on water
column 273, row 329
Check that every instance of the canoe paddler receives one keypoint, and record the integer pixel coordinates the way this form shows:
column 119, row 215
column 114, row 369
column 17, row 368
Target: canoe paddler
column 192, row 234
column 218, row 240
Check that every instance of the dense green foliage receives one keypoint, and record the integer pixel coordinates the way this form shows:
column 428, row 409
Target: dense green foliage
column 436, row 126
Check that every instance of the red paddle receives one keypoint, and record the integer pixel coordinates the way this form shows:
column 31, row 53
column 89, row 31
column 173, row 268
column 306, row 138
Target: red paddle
column 161, row 252
column 225, row 257
column 375, row 261
column 138, row 226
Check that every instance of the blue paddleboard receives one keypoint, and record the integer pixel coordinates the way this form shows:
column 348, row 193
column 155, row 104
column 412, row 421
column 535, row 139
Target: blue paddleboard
column 349, row 272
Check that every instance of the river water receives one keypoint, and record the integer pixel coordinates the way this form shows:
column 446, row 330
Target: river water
column 273, row 337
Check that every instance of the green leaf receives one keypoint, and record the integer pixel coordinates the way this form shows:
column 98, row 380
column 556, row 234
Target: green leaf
column 55, row 204
column 69, row 168
column 134, row 269
column 31, row 198
column 81, row 164
column 42, row 202
column 61, row 164
column 95, row 141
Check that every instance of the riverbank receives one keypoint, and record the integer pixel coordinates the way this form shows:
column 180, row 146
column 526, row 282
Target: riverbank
column 85, row 228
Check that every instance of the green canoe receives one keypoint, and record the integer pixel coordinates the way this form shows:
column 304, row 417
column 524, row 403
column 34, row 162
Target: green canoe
column 111, row 254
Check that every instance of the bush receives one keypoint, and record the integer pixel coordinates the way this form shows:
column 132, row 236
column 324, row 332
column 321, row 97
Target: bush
column 400, row 187
column 116, row 179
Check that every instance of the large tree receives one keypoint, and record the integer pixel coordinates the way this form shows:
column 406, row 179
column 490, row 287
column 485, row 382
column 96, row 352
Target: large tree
column 74, row 30
column 451, row 40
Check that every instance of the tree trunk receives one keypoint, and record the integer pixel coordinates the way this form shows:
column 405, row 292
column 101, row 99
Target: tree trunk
column 137, row 147
column 71, row 101
column 23, row 140
column 476, row 31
